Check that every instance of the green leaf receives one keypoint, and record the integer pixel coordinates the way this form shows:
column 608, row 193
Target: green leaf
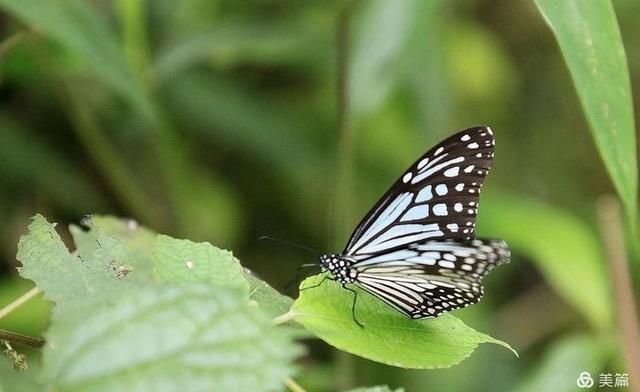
column 388, row 336
column 590, row 40
column 59, row 274
column 565, row 360
column 184, row 261
column 81, row 30
column 174, row 338
column 268, row 298
column 379, row 388
column 565, row 250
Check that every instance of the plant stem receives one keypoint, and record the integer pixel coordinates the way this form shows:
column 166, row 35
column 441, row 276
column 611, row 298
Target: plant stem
column 293, row 386
column 283, row 318
column 19, row 302
column 613, row 237
column 21, row 339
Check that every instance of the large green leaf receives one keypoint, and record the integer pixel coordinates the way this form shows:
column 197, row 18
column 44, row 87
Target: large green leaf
column 562, row 246
column 183, row 338
column 590, row 40
column 81, row 30
column 388, row 336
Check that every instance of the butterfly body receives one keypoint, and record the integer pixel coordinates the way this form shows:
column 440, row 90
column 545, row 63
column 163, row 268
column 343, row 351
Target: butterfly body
column 416, row 249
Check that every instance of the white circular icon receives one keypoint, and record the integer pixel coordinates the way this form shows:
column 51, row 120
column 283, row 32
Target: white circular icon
column 584, row 380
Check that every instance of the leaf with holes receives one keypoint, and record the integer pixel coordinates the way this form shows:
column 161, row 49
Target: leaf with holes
column 121, row 243
column 59, row 274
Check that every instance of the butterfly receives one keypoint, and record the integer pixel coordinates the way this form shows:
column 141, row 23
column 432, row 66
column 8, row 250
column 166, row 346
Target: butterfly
column 416, row 249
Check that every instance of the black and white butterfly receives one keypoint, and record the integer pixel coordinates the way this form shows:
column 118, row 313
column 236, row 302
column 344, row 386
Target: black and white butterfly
column 416, row 249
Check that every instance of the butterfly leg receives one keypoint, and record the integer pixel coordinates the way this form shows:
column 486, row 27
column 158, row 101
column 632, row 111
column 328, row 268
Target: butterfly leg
column 353, row 305
column 317, row 285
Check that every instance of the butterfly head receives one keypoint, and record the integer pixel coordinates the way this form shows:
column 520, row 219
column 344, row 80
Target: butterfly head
column 339, row 267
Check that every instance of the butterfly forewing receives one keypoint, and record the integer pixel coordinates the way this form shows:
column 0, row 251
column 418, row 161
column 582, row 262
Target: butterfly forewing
column 429, row 278
column 436, row 198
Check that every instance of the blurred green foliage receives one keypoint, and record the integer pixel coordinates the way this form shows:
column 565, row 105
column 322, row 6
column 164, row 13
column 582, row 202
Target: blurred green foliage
column 218, row 121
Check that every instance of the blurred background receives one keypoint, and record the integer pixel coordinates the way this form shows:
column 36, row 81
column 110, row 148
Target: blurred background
column 222, row 121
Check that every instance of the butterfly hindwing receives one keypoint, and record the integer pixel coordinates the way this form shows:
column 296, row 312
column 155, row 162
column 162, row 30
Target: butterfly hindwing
column 429, row 278
column 436, row 198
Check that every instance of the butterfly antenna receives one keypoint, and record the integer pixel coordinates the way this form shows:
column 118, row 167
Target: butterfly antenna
column 289, row 243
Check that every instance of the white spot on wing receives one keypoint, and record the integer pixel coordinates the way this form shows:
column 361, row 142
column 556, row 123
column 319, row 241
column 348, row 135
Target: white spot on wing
column 440, row 209
column 472, row 145
column 446, row 264
column 465, row 138
column 441, row 189
column 424, row 194
column 407, row 177
column 452, row 172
